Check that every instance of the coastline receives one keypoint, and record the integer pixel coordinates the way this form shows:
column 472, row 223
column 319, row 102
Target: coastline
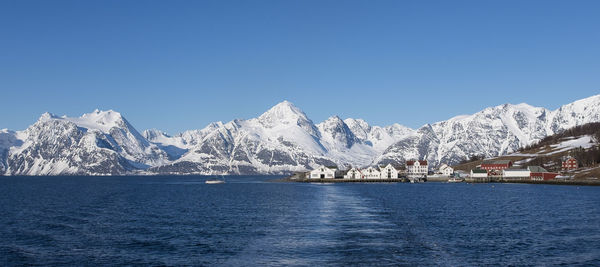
column 578, row 182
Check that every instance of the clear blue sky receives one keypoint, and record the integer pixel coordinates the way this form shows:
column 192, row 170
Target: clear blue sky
column 177, row 65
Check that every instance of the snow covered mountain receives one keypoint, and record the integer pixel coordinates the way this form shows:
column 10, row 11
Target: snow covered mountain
column 492, row 132
column 354, row 142
column 281, row 140
column 8, row 139
column 98, row 143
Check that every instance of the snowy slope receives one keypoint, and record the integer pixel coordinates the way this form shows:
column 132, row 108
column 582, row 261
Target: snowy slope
column 281, row 140
column 354, row 142
column 492, row 132
column 577, row 113
column 97, row 143
column 125, row 139
column 8, row 139
column 341, row 145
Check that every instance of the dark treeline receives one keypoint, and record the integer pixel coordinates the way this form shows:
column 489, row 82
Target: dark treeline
column 587, row 157
column 592, row 129
column 549, row 163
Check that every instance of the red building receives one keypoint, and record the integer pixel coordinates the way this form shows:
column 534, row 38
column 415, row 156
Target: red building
column 497, row 165
column 569, row 164
column 543, row 176
column 540, row 174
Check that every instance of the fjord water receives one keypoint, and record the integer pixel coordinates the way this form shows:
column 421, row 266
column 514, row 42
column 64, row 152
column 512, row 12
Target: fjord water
column 75, row 221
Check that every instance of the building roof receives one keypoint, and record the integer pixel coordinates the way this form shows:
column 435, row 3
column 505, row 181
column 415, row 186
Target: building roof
column 385, row 166
column 516, row 170
column 444, row 166
column 536, row 169
column 478, row 171
column 326, row 168
column 412, row 162
column 496, row 162
column 371, row 168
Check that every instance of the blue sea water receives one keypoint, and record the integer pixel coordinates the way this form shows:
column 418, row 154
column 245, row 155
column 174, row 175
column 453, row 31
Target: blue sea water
column 146, row 221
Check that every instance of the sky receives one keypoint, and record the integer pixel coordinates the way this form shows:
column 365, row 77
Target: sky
column 179, row 65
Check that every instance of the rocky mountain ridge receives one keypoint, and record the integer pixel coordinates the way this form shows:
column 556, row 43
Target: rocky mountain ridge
column 281, row 140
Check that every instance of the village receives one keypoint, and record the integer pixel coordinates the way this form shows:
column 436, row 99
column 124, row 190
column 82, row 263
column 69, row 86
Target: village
column 415, row 171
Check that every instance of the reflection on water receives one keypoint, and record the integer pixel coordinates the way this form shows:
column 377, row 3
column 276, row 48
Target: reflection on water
column 334, row 226
column 249, row 221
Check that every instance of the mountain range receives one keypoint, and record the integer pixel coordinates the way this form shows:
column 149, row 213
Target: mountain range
column 281, row 140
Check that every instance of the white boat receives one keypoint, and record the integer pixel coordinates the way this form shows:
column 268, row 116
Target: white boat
column 215, row 181
column 455, row 180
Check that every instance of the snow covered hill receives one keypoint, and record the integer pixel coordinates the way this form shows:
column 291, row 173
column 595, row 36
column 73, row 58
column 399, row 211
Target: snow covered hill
column 281, row 140
column 97, row 143
column 492, row 132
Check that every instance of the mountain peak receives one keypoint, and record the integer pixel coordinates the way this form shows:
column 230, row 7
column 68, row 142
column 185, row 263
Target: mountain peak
column 283, row 113
column 332, row 123
column 334, row 130
column 335, row 118
column 98, row 119
column 48, row 116
column 151, row 134
column 108, row 115
column 583, row 103
column 285, row 106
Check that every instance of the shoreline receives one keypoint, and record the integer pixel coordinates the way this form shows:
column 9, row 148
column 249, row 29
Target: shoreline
column 553, row 182
column 291, row 179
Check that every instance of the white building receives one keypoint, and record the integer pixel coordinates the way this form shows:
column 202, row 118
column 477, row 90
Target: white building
column 515, row 174
column 416, row 168
column 388, row 172
column 371, row 173
column 479, row 174
column 446, row 170
column 353, row 173
column 323, row 173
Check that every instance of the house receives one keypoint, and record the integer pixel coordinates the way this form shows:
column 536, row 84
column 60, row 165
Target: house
column 479, row 174
column 446, row 170
column 354, row 173
column 371, row 173
column 515, row 174
column 323, row 172
column 416, row 168
column 540, row 174
column 388, row 172
column 569, row 164
column 498, row 165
